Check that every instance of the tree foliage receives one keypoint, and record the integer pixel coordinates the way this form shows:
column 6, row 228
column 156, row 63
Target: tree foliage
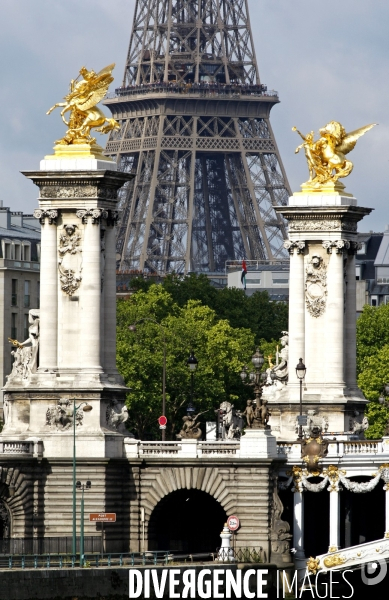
column 266, row 319
column 373, row 364
column 221, row 351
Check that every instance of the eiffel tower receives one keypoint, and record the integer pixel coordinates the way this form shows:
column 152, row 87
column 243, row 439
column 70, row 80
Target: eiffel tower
column 195, row 128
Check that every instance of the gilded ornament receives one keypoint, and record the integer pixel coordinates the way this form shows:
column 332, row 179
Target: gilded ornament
column 334, row 560
column 326, row 157
column 313, row 565
column 81, row 102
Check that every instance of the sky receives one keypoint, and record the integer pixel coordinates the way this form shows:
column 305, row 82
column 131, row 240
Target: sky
column 328, row 61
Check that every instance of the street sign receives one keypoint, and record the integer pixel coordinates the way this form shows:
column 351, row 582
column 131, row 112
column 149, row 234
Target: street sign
column 102, row 517
column 233, row 523
column 162, row 426
column 302, row 420
column 162, row 421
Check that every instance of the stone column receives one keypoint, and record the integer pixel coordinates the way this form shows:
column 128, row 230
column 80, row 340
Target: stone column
column 334, row 519
column 296, row 309
column 335, row 316
column 48, row 331
column 386, row 488
column 351, row 321
column 90, row 298
column 298, row 523
column 109, row 292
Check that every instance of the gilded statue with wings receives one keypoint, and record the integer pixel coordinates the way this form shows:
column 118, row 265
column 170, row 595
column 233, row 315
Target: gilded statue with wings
column 84, row 94
column 326, row 157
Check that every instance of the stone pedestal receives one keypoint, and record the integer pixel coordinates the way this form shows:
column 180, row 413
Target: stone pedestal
column 322, row 320
column 77, row 321
column 258, row 443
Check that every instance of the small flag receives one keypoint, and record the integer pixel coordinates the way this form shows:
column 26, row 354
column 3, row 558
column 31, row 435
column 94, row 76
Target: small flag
column 243, row 276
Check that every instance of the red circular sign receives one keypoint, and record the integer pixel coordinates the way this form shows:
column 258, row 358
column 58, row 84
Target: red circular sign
column 233, row 523
column 162, row 420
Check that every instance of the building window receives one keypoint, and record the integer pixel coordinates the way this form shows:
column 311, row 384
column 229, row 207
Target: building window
column 362, row 249
column 6, row 249
column 25, row 328
column 26, row 252
column 14, row 329
column 374, row 300
column 383, row 280
column 38, row 251
column 17, row 252
column 357, row 272
column 386, row 299
column 14, row 297
column 27, row 294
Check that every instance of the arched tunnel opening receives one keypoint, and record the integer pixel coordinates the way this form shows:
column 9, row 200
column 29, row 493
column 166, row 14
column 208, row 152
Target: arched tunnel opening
column 186, row 521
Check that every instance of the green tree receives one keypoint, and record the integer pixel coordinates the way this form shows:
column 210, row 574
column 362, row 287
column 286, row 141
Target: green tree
column 373, row 364
column 257, row 312
column 220, row 349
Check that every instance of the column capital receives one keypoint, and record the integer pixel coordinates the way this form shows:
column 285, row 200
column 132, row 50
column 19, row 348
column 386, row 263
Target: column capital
column 113, row 217
column 96, row 214
column 41, row 215
column 292, row 246
column 340, row 246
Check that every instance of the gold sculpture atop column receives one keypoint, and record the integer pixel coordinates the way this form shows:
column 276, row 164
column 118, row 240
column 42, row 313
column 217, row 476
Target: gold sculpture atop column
column 81, row 102
column 326, row 157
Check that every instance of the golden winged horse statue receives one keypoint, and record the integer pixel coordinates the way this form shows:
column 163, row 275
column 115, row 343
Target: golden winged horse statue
column 326, row 157
column 84, row 95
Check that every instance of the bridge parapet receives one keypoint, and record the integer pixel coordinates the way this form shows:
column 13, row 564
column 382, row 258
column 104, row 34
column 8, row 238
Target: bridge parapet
column 337, row 449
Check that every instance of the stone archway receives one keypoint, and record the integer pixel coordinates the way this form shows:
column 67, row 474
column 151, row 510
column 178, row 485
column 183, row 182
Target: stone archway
column 186, row 520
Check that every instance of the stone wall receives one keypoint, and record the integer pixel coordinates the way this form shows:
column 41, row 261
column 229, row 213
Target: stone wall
column 42, row 503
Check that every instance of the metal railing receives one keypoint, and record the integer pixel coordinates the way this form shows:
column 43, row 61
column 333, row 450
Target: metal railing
column 201, row 89
column 71, row 561
column 255, row 265
column 128, row 559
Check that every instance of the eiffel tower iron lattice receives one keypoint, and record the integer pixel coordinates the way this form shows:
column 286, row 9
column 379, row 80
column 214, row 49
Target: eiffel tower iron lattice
column 194, row 127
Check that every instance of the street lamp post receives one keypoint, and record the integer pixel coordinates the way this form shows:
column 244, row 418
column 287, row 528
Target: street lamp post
column 192, row 363
column 86, row 408
column 82, row 486
column 300, row 372
column 133, row 328
column 255, row 376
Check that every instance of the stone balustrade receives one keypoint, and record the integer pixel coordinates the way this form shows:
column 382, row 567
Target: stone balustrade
column 31, row 447
column 180, row 449
column 337, row 449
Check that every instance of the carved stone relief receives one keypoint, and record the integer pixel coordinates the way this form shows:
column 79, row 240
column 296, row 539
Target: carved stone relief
column 69, row 259
column 316, row 286
column 5, row 518
column 96, row 214
column 115, row 418
column 323, row 225
column 7, row 407
column 25, row 354
column 60, row 416
column 50, row 214
column 279, row 530
column 314, row 419
column 292, row 246
column 78, row 191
